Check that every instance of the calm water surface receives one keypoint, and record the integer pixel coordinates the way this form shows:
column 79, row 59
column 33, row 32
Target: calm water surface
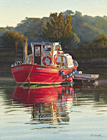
column 62, row 112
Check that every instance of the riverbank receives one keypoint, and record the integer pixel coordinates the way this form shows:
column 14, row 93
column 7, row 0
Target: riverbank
column 6, row 79
column 7, row 82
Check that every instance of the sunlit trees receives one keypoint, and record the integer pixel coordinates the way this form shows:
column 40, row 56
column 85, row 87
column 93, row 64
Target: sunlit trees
column 58, row 29
column 101, row 39
column 11, row 39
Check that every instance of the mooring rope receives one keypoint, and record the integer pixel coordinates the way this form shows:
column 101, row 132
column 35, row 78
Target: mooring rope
column 27, row 77
column 38, row 83
column 46, row 80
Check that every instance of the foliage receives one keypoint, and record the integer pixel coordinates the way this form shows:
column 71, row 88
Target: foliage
column 9, row 39
column 87, row 28
column 95, row 49
column 58, row 29
column 101, row 39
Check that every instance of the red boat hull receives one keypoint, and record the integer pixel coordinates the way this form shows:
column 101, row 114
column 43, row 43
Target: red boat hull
column 29, row 73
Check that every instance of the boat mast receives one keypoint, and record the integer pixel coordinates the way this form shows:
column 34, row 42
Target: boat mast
column 53, row 45
column 24, row 50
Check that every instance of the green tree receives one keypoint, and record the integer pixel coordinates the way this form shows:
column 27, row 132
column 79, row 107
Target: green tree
column 11, row 39
column 101, row 39
column 58, row 29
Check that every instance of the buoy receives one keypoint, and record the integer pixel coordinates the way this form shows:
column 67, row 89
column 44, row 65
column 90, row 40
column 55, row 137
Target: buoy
column 63, row 73
column 66, row 76
column 69, row 79
column 70, row 74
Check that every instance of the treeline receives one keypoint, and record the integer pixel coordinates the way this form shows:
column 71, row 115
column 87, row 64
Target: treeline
column 86, row 28
column 56, row 28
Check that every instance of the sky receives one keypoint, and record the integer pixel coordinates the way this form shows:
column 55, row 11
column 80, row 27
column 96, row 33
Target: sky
column 13, row 11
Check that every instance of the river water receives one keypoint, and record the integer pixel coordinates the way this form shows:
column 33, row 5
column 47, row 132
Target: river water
column 76, row 112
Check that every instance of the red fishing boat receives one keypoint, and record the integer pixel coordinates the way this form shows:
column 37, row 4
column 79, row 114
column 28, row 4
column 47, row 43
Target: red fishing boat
column 47, row 64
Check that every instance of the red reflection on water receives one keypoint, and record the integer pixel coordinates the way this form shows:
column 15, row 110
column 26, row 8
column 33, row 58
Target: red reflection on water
column 43, row 94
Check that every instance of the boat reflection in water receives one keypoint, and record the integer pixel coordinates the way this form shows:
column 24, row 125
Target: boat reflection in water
column 49, row 104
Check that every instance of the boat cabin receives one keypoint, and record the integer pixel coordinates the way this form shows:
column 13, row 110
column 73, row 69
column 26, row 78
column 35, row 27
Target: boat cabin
column 49, row 54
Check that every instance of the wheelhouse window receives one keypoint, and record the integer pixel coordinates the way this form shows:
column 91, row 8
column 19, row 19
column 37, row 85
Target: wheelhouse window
column 61, row 61
column 58, row 47
column 37, row 51
column 47, row 47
